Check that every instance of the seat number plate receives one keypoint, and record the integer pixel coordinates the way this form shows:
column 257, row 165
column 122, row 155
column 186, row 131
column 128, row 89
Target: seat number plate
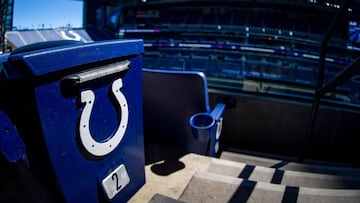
column 115, row 181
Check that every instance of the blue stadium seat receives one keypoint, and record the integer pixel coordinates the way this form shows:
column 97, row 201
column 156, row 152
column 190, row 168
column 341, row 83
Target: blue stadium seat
column 239, row 20
column 193, row 19
column 305, row 75
column 170, row 99
column 209, row 19
column 225, row 19
column 176, row 19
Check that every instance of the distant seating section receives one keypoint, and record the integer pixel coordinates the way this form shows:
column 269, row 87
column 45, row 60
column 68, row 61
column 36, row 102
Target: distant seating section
column 239, row 44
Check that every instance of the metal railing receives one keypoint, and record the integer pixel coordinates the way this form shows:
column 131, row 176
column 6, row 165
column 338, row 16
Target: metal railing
column 322, row 89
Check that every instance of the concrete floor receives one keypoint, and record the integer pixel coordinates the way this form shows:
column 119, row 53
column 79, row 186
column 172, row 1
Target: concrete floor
column 170, row 176
column 175, row 177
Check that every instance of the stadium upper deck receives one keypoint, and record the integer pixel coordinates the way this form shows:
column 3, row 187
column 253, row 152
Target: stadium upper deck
column 273, row 46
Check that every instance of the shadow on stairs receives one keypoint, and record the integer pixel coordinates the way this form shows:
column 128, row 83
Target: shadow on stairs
column 237, row 177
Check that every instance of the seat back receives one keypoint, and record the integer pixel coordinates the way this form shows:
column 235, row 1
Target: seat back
column 170, row 98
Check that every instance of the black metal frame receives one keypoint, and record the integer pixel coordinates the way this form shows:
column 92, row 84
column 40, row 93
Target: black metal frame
column 321, row 89
column 6, row 15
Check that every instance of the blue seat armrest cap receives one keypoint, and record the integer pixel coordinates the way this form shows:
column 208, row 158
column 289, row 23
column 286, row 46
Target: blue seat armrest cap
column 218, row 111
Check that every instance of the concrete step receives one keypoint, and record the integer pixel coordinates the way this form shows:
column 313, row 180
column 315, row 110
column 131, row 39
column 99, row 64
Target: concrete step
column 159, row 198
column 290, row 165
column 210, row 187
column 284, row 177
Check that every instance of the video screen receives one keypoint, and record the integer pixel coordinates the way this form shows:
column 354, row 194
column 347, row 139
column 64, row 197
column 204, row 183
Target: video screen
column 354, row 31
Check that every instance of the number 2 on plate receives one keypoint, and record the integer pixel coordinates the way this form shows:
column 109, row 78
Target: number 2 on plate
column 115, row 178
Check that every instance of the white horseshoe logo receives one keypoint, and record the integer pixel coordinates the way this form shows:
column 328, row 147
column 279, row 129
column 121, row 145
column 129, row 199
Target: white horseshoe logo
column 75, row 35
column 91, row 145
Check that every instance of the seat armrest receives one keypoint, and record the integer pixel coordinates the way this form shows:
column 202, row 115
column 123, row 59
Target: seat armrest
column 218, row 111
column 206, row 127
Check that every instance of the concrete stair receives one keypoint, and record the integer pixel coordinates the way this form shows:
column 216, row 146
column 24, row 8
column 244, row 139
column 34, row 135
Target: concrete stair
column 244, row 178
column 290, row 164
column 212, row 187
column 176, row 177
column 283, row 177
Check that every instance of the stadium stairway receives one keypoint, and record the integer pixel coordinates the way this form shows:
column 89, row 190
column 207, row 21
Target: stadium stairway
column 238, row 177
